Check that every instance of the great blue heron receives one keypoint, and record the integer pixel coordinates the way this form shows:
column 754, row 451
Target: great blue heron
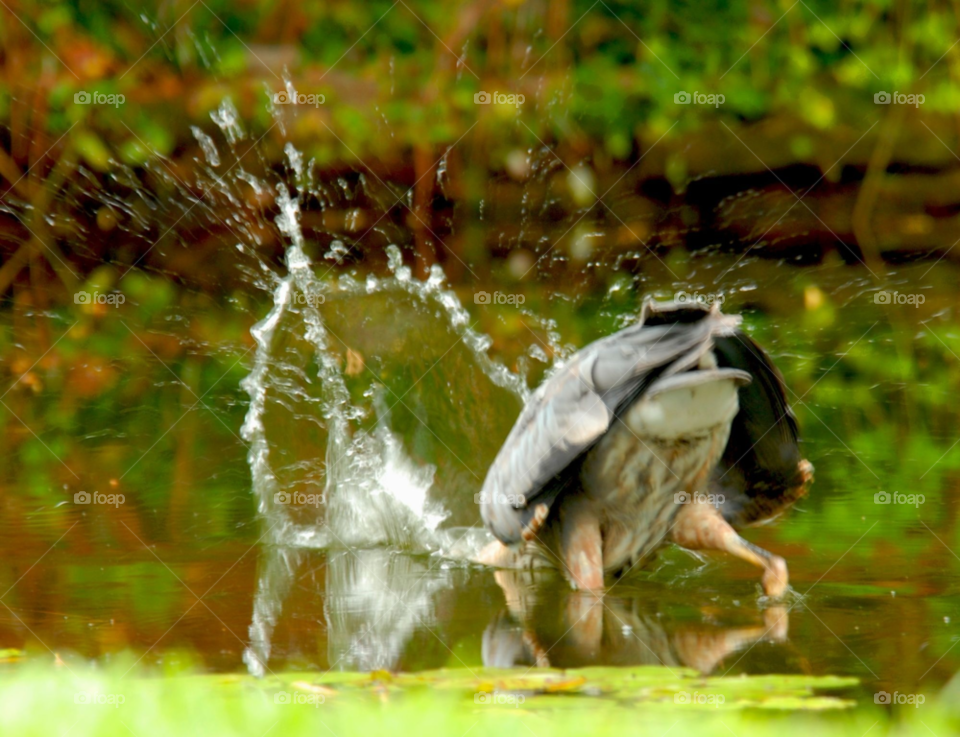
column 675, row 429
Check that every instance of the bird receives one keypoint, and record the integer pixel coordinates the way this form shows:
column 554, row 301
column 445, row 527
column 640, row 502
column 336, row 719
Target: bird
column 675, row 429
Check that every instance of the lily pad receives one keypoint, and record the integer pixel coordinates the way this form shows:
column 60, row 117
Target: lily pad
column 545, row 688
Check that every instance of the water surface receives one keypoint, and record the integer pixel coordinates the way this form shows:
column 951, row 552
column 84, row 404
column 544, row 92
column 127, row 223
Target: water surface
column 292, row 466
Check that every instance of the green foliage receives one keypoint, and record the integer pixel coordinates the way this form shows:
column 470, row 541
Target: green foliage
column 605, row 73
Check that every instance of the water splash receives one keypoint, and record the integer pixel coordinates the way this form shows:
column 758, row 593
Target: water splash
column 209, row 148
column 373, row 492
column 227, row 120
column 365, row 487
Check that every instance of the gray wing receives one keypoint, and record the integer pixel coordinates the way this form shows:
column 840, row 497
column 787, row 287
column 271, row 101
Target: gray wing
column 575, row 407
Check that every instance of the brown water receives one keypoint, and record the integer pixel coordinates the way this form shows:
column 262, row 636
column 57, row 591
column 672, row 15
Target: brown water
column 144, row 400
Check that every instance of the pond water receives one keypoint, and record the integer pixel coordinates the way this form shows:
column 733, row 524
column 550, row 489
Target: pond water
column 283, row 477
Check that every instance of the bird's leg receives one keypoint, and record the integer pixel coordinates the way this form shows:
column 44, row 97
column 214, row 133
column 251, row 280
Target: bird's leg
column 521, row 602
column 583, row 616
column 699, row 526
column 514, row 594
column 581, row 546
column 703, row 650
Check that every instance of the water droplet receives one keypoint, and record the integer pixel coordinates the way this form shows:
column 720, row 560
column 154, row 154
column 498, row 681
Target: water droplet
column 206, row 143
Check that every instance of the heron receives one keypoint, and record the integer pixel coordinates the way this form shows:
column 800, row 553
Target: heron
column 675, row 429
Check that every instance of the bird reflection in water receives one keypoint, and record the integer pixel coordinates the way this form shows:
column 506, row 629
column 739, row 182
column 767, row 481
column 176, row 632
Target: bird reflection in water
column 557, row 627
column 376, row 609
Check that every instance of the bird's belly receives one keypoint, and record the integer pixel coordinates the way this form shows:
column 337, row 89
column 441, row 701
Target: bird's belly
column 635, row 478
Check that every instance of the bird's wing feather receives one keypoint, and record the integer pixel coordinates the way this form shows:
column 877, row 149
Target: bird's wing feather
column 762, row 469
column 576, row 406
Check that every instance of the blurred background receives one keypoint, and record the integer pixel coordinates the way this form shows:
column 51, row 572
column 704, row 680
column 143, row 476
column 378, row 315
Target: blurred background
column 248, row 257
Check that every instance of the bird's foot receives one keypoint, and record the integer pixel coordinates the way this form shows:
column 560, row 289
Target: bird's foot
column 775, row 578
column 701, row 527
column 776, row 620
column 498, row 555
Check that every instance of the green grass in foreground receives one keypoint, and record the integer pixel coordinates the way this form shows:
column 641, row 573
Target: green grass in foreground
column 66, row 701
